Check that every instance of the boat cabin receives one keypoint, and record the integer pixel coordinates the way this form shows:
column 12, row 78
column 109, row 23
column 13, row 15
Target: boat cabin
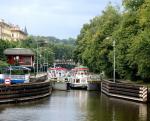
column 57, row 73
column 17, row 74
column 80, row 76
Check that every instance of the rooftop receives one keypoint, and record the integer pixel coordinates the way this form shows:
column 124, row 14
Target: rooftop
column 18, row 51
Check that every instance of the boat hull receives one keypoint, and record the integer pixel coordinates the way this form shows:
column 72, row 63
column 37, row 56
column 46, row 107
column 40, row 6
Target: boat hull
column 17, row 81
column 93, row 86
column 1, row 81
column 78, row 86
column 1, row 78
column 59, row 85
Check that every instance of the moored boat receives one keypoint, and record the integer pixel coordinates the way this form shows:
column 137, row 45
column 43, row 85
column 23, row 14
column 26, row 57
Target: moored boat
column 57, row 73
column 17, row 74
column 79, row 77
column 1, row 75
column 58, row 78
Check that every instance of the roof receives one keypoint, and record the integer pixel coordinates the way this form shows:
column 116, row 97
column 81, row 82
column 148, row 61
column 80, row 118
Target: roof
column 18, row 51
column 57, row 68
column 80, row 68
column 18, row 68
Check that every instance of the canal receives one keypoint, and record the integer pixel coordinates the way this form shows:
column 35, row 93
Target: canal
column 76, row 105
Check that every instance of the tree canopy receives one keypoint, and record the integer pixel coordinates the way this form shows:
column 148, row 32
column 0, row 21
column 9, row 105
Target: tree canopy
column 49, row 48
column 130, row 29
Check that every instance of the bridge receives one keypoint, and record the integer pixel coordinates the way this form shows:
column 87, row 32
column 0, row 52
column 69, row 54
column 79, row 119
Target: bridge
column 64, row 63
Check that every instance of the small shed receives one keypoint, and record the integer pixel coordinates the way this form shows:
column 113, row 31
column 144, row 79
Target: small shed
column 20, row 56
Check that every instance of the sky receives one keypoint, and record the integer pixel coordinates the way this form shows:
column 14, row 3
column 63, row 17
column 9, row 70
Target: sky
column 59, row 18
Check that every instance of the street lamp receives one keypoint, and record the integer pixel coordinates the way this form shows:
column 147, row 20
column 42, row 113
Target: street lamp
column 47, row 60
column 37, row 60
column 114, row 57
column 40, row 61
column 46, row 56
column 114, row 74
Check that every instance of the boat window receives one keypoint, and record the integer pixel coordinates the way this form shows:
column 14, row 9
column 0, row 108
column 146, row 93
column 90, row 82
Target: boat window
column 17, row 72
column 77, row 80
column 25, row 71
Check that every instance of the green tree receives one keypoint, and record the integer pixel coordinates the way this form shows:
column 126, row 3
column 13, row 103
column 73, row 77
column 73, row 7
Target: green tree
column 92, row 46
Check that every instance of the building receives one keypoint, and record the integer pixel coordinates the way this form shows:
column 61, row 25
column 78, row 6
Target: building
column 11, row 32
column 5, row 31
column 19, row 56
column 17, row 33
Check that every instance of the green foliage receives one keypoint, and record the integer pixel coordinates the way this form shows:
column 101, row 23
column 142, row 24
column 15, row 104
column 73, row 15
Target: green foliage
column 3, row 45
column 3, row 63
column 144, row 14
column 131, row 31
column 49, row 48
column 139, row 54
column 132, row 4
column 93, row 47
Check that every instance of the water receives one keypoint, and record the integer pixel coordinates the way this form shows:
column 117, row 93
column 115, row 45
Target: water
column 76, row 106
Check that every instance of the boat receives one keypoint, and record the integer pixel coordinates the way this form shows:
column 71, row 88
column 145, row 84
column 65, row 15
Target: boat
column 79, row 77
column 1, row 75
column 57, row 73
column 17, row 74
column 57, row 76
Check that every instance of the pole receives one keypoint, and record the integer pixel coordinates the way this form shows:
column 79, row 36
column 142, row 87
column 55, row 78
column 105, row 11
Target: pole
column 44, row 60
column 40, row 62
column 114, row 62
column 37, row 60
column 47, row 60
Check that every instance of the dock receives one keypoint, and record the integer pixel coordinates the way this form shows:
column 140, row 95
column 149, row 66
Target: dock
column 125, row 91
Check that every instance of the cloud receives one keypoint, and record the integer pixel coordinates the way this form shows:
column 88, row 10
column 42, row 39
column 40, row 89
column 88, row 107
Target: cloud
column 61, row 18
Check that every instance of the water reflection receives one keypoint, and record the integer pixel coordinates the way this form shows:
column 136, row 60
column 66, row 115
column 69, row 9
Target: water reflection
column 111, row 109
column 76, row 106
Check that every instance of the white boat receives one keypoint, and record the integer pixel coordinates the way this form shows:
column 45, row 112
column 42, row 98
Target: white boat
column 79, row 77
column 57, row 73
column 17, row 74
column 1, row 78
column 57, row 76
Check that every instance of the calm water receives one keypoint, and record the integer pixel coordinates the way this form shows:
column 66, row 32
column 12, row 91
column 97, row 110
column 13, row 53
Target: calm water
column 76, row 106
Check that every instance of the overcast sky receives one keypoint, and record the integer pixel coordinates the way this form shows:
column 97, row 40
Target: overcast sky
column 59, row 18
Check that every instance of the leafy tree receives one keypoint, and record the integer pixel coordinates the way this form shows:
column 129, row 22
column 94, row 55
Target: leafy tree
column 130, row 29
column 92, row 46
column 139, row 54
column 4, row 45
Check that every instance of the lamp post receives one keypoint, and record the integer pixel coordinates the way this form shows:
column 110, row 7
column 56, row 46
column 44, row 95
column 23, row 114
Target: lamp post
column 47, row 58
column 44, row 60
column 37, row 60
column 40, row 61
column 114, row 74
column 114, row 58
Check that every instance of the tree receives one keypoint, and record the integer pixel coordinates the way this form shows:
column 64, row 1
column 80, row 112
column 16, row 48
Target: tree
column 139, row 55
column 92, row 46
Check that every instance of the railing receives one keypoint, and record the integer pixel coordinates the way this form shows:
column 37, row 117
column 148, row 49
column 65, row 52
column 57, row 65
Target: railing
column 125, row 91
